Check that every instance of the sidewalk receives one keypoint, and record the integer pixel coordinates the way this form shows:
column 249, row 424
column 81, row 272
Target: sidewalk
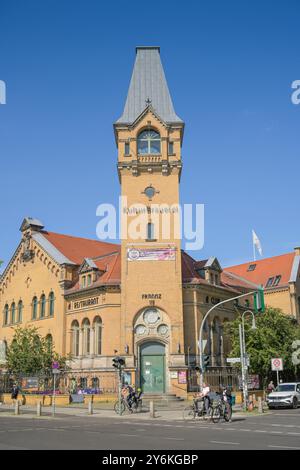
column 165, row 414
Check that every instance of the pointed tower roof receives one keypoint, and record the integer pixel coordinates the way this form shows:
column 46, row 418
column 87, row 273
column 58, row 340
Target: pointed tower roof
column 148, row 87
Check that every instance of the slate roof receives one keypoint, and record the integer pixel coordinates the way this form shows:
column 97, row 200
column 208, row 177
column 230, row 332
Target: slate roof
column 148, row 86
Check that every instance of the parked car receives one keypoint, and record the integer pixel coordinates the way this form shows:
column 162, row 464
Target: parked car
column 285, row 395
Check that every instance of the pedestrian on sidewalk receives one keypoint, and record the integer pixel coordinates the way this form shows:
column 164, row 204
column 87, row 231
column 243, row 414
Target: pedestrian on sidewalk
column 271, row 387
column 15, row 393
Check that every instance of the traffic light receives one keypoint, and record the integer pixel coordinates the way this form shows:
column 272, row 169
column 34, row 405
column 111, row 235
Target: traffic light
column 118, row 362
column 259, row 301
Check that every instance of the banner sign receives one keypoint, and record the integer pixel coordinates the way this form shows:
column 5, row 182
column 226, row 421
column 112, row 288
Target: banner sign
column 158, row 254
column 182, row 377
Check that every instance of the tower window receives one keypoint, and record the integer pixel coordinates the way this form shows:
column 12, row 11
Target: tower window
column 150, row 231
column 148, row 142
column 171, row 148
column 127, row 149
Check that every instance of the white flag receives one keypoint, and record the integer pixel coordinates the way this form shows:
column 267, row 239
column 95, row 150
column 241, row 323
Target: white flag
column 256, row 242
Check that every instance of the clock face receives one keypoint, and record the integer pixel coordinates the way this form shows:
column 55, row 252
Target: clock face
column 163, row 329
column 151, row 316
column 140, row 330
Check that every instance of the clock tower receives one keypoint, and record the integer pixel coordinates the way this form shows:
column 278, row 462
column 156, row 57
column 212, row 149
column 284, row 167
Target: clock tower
column 149, row 138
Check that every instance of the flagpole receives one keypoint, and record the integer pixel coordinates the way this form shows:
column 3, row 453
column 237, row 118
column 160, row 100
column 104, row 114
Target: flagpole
column 254, row 256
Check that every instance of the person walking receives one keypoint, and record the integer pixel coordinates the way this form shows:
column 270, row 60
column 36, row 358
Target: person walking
column 15, row 393
column 271, row 387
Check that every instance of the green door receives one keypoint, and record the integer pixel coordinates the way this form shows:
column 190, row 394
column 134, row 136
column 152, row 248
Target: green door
column 153, row 368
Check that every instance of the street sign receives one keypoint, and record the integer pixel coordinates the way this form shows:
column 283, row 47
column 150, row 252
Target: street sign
column 233, row 360
column 277, row 364
column 55, row 371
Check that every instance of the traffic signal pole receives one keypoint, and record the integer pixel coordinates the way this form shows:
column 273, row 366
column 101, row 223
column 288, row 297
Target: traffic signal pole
column 202, row 328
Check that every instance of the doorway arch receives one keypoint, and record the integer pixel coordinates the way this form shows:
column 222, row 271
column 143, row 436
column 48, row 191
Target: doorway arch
column 153, row 367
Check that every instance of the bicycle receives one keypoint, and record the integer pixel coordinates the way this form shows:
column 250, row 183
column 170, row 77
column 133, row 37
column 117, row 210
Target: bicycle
column 193, row 411
column 134, row 407
column 221, row 410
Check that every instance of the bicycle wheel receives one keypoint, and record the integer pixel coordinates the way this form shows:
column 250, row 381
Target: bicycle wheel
column 227, row 413
column 216, row 414
column 189, row 413
column 119, row 409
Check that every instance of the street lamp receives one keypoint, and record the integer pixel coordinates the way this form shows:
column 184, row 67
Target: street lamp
column 244, row 362
column 200, row 342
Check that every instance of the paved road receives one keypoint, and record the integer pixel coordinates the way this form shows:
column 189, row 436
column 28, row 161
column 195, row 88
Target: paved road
column 277, row 430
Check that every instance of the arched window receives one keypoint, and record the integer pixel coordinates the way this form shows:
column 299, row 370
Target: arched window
column 95, row 382
column 20, row 311
column 83, row 383
column 75, row 338
column 51, row 304
column 148, row 142
column 49, row 342
column 34, row 308
column 13, row 313
column 6, row 310
column 42, row 306
column 98, row 335
column 86, row 336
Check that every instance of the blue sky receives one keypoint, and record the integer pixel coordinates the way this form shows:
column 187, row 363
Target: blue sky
column 229, row 66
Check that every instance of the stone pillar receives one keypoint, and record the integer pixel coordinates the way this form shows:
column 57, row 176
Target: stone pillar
column 81, row 339
column 92, row 341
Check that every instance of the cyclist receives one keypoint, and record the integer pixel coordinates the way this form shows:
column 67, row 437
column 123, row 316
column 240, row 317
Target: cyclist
column 227, row 398
column 203, row 396
column 128, row 393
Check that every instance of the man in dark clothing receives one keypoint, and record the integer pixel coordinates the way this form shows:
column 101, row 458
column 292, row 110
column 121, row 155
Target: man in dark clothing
column 15, row 392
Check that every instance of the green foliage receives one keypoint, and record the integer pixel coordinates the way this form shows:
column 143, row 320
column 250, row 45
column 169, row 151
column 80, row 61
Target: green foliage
column 273, row 337
column 29, row 353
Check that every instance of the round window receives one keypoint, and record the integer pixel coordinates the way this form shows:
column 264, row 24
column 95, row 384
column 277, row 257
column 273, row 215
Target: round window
column 151, row 316
column 163, row 329
column 140, row 330
column 150, row 191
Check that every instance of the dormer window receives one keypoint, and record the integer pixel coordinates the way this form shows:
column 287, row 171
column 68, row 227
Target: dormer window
column 89, row 279
column 83, row 281
column 251, row 267
column 149, row 142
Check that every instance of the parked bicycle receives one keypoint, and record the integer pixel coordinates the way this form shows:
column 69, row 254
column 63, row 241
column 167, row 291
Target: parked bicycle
column 197, row 410
column 221, row 409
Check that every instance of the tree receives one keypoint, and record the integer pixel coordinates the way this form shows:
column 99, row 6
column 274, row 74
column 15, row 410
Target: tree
column 29, row 353
column 273, row 337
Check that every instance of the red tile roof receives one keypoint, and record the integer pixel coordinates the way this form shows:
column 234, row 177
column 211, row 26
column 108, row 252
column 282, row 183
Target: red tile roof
column 107, row 257
column 76, row 248
column 269, row 267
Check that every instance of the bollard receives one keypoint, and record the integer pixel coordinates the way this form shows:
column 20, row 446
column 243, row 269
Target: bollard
column 90, row 407
column 152, row 409
column 39, row 408
column 260, row 405
column 17, row 407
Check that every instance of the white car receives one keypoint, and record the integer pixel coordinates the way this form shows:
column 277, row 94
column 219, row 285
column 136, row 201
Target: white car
column 285, row 394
